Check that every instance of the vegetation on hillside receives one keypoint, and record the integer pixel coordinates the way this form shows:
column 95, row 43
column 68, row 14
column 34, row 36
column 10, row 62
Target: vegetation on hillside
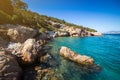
column 16, row 12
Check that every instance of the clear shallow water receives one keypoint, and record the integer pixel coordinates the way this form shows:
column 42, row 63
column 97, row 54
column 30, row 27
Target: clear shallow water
column 105, row 50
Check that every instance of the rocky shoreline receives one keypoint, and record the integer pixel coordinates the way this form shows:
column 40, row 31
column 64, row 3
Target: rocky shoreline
column 22, row 54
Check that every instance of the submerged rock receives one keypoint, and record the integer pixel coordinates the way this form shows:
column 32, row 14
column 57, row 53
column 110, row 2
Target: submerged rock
column 49, row 74
column 9, row 68
column 81, row 59
column 47, row 60
column 39, row 73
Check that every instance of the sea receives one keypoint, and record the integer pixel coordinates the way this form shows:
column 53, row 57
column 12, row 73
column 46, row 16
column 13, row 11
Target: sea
column 105, row 50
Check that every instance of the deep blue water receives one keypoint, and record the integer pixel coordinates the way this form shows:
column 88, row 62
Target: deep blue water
column 105, row 50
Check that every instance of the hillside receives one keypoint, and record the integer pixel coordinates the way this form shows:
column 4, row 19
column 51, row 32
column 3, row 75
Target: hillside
column 16, row 12
column 112, row 32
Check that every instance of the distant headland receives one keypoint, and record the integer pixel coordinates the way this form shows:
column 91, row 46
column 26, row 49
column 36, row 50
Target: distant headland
column 112, row 32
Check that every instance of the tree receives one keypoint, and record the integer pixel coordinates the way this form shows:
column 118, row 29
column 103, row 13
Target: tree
column 21, row 5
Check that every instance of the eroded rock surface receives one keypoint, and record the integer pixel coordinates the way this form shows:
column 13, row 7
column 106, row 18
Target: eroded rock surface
column 17, row 33
column 20, row 33
column 96, row 34
column 28, row 51
column 9, row 68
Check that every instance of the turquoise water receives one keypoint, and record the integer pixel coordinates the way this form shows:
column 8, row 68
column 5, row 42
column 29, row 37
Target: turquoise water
column 105, row 50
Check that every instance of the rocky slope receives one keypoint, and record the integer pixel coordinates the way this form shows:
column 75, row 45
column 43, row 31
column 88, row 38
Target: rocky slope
column 65, row 30
column 9, row 67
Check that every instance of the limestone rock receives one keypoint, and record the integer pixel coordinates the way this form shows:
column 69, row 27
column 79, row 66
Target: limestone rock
column 61, row 34
column 13, row 46
column 74, row 31
column 96, row 34
column 65, row 33
column 28, row 51
column 81, row 59
column 55, row 34
column 77, row 32
column 20, row 33
column 9, row 68
column 17, row 33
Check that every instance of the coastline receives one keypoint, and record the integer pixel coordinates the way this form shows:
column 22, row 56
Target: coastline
column 39, row 58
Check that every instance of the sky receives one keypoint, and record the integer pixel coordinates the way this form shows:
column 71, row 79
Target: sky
column 102, row 15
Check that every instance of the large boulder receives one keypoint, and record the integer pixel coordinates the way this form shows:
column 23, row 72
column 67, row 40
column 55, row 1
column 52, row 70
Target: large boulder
column 81, row 59
column 28, row 51
column 9, row 68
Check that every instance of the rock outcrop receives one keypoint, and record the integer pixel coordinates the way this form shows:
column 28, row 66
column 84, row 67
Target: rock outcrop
column 9, row 68
column 95, row 34
column 17, row 33
column 74, row 32
column 82, row 32
column 81, row 59
column 20, row 33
